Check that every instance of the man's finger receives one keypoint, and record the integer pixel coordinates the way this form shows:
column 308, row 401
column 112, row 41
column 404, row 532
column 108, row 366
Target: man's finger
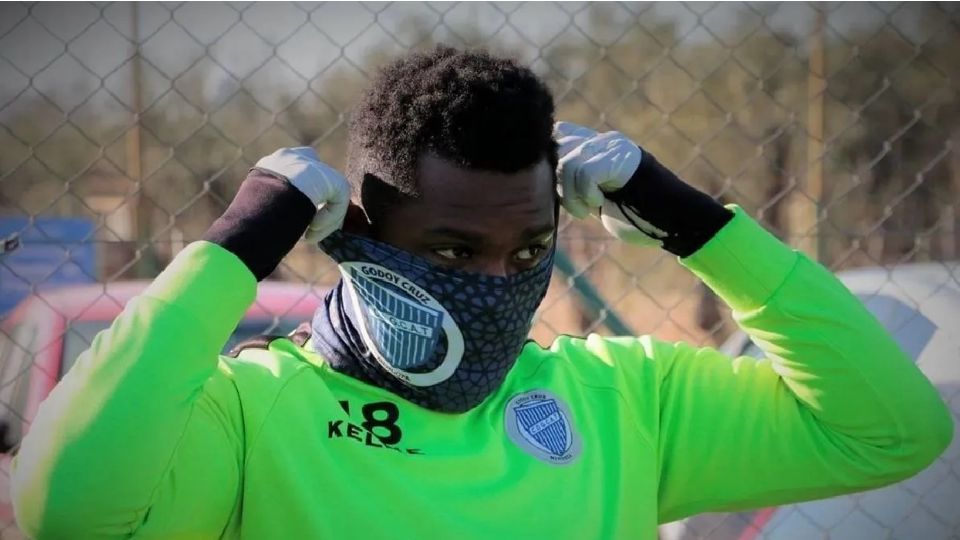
column 575, row 207
column 568, row 144
column 563, row 129
column 598, row 168
column 328, row 219
column 306, row 152
column 587, row 189
column 569, row 196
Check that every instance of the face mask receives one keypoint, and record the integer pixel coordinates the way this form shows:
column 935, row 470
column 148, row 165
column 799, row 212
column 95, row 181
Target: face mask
column 442, row 338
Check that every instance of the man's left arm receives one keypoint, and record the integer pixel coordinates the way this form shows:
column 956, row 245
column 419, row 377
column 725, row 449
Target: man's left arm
column 835, row 407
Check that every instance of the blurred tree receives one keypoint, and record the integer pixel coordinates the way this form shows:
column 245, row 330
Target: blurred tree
column 898, row 115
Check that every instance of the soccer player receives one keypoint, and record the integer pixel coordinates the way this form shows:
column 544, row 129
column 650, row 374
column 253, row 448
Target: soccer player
column 413, row 405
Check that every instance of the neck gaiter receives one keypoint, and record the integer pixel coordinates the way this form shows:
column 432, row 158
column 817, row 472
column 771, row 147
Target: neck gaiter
column 444, row 339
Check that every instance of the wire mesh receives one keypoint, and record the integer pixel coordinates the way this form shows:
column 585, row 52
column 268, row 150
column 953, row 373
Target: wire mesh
column 125, row 129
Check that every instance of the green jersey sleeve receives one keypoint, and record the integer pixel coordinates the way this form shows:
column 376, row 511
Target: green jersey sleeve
column 133, row 430
column 836, row 406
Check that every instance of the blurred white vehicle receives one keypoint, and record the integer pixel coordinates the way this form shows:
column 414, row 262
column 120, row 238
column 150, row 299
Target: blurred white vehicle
column 920, row 305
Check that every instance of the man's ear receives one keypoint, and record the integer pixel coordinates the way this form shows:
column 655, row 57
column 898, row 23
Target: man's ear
column 355, row 222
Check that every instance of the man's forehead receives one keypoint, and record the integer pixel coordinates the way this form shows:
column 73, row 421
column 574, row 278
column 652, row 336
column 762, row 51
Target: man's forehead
column 479, row 207
column 441, row 182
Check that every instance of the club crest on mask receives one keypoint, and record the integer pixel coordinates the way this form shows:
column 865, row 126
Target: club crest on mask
column 401, row 323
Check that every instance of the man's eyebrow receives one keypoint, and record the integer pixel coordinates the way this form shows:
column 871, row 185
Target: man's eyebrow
column 476, row 238
column 537, row 232
column 459, row 234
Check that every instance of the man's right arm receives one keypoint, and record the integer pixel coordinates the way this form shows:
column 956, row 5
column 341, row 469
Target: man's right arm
column 142, row 435
column 102, row 446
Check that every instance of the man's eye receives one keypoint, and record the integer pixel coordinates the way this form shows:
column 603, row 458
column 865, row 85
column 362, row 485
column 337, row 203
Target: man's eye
column 530, row 253
column 453, row 253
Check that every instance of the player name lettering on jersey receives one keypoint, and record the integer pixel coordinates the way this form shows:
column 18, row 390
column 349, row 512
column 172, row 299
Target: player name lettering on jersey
column 378, row 429
column 337, row 429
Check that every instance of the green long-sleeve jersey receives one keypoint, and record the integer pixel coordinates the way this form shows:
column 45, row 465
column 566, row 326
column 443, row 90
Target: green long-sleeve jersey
column 152, row 435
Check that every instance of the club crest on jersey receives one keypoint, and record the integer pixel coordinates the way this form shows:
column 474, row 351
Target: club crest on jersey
column 401, row 323
column 540, row 423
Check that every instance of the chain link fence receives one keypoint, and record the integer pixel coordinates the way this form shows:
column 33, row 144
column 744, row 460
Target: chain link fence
column 126, row 128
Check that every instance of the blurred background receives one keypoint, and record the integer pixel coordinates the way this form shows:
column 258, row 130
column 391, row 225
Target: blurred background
column 126, row 128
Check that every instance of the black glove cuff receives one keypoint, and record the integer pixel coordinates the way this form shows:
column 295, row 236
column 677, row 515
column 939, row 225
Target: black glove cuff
column 263, row 222
column 689, row 216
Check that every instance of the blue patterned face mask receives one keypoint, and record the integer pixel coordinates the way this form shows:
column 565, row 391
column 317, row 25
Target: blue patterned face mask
column 442, row 338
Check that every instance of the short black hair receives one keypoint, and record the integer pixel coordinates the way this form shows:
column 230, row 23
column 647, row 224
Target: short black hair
column 469, row 107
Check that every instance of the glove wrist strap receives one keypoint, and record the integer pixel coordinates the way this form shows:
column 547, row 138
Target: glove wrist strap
column 263, row 223
column 689, row 216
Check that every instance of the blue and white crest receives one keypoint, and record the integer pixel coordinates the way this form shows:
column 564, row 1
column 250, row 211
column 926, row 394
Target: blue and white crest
column 406, row 331
column 401, row 323
column 540, row 423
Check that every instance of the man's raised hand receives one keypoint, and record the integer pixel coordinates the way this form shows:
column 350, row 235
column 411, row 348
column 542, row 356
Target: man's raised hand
column 286, row 194
column 324, row 185
column 592, row 167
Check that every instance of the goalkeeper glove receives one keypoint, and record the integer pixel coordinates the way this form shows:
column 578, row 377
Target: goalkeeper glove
column 637, row 199
column 286, row 193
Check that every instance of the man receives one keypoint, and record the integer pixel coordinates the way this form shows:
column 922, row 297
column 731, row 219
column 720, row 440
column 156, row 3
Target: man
column 414, row 407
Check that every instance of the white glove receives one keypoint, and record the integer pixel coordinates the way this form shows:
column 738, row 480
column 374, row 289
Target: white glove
column 593, row 164
column 326, row 187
